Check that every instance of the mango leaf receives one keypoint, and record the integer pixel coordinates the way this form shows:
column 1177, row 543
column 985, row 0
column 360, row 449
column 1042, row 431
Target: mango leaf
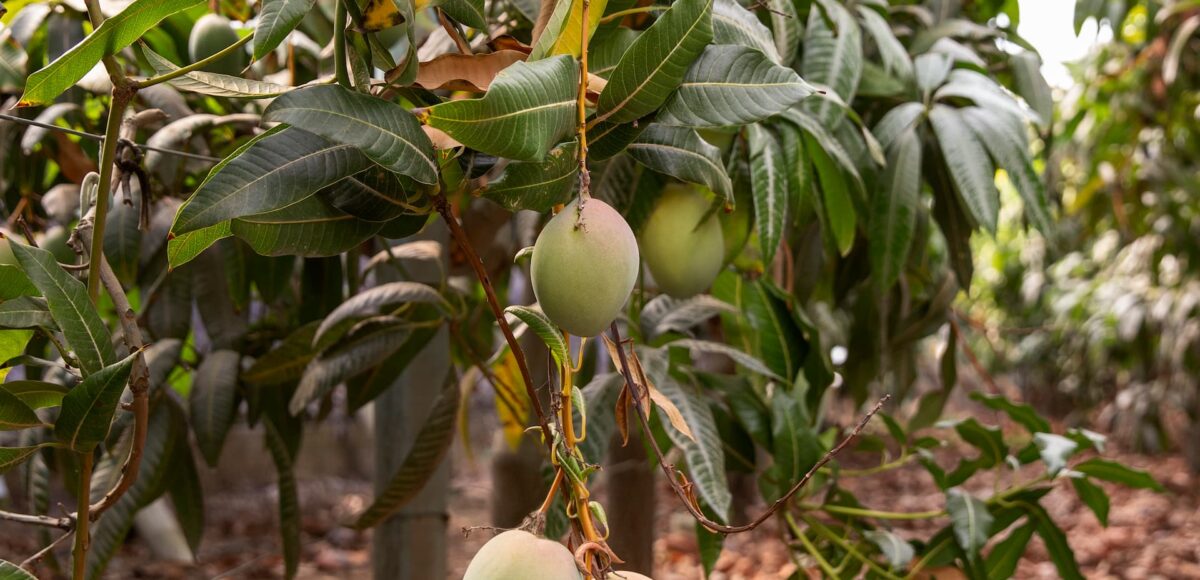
column 289, row 498
column 68, row 301
column 281, row 167
column 732, row 85
column 11, row 457
column 286, row 362
column 835, row 196
column 428, row 449
column 353, row 356
column 306, row 227
column 734, row 24
column 562, row 32
column 970, row 519
column 894, row 211
column 1032, row 86
column 769, row 181
column 88, row 409
column 537, row 185
column 384, row 131
column 14, row 283
column 682, row 154
column 545, row 329
column 1001, row 562
column 214, row 84
column 1020, row 413
column 1092, row 496
column 741, row 358
column 466, row 72
column 832, row 56
column 795, row 443
column 528, row 108
column 363, row 389
column 896, row 121
column 370, row 302
column 1008, row 148
column 607, row 140
column 893, row 54
column 15, row 414
column 184, row 248
column 186, row 493
column 375, row 195
column 35, row 394
column 13, row 62
column 113, row 35
column 1057, row 547
column 1117, row 473
column 656, row 62
column 663, row 314
column 468, row 12
column 787, row 29
column 969, row 166
column 213, row 401
column 897, row 551
column 26, row 312
column 277, row 19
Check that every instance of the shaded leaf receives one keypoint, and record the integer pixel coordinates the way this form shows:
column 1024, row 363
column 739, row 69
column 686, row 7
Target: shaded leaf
column 894, row 211
column 545, row 329
column 370, row 302
column 1001, row 562
column 770, row 184
column 537, row 185
column 88, row 409
column 732, row 85
column 355, row 355
column 35, row 394
column 277, row 19
column 968, row 164
column 284, row 363
column 711, row 347
column 970, row 519
column 26, row 312
column 682, row 154
column 1117, row 473
column 307, row 227
column 897, row 551
column 1092, row 496
column 213, row 401
column 214, row 84
column 11, row 457
column 15, row 414
column 289, row 499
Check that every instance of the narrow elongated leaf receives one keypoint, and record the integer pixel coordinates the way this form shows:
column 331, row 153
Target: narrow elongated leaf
column 26, row 312
column 375, row 195
column 787, row 29
column 984, row 92
column 663, row 314
column 1056, row 544
column 898, row 120
column 284, row 363
column 35, row 135
column 11, row 457
column 384, row 131
column 275, row 171
column 15, row 414
column 363, row 389
column 968, row 164
column 1032, row 86
column 354, row 356
column 306, row 227
column 1006, row 144
column 113, row 35
column 732, row 85
column 835, row 196
column 371, row 301
column 894, row 211
column 768, row 176
column 710, row 347
column 428, row 449
column 1092, row 496
column 467, row 12
column 1117, row 473
column 823, row 135
column 35, row 394
column 87, row 410
column 796, row 446
column 186, row 493
column 970, row 519
column 891, row 51
column 214, row 84
column 832, row 56
column 214, row 401
column 289, row 498
column 734, row 24
column 184, row 248
column 705, row 457
column 897, row 551
column 276, row 20
column 545, row 329
column 8, row 570
column 68, row 301
column 656, row 62
column 1001, row 562
column 537, row 185
column 682, row 154
column 1020, row 413
column 528, row 108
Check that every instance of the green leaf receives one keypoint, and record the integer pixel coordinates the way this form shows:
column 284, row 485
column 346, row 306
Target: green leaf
column 894, row 211
column 1007, row 145
column 88, row 409
column 384, row 131
column 1020, row 413
column 835, row 196
column 26, row 312
column 897, row 551
column 830, row 145
column 213, row 401
column 734, row 24
column 306, row 227
column 656, row 62
column 984, row 92
column 13, row 62
column 184, row 248
column 355, row 355
column 11, row 457
column 276, row 19
column 15, row 414
column 186, row 493
column 113, row 35
column 35, row 394
column 289, row 498
column 278, row 169
column 545, row 329
column 832, row 56
column 14, row 283
column 1117, row 473
column 1092, row 496
column 562, row 32
column 970, row 519
column 428, row 449
column 770, row 185
column 1032, row 86
column 896, row 122
column 787, row 27
column 893, row 54
column 284, row 363
column 374, row 195
column 10, row 571
column 537, row 185
column 988, row 440
column 682, row 154
column 720, row 348
column 363, row 389
column 371, row 302
column 469, row 12
column 214, row 84
column 730, row 86
column 123, row 241
column 969, row 166
column 67, row 298
column 705, row 456
column 1056, row 544
column 795, row 445
column 1001, row 562
column 527, row 109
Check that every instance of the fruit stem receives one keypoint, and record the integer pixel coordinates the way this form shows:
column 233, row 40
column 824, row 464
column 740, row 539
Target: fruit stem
column 339, row 44
column 558, row 477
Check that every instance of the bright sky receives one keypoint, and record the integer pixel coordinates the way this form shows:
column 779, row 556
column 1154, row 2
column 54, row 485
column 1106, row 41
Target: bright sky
column 1049, row 26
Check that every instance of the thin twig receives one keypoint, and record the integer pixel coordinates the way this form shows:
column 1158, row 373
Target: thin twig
column 674, row 476
column 42, row 553
column 64, row 523
column 95, row 137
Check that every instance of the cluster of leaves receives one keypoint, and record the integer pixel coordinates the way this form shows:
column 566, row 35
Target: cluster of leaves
column 1115, row 303
column 852, row 146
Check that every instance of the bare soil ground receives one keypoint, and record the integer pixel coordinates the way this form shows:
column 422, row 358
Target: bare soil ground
column 1150, row 535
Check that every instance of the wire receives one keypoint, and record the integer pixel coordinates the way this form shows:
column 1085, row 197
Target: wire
column 96, row 137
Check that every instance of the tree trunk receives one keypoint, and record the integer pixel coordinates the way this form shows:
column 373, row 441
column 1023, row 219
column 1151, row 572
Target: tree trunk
column 411, row 545
column 631, row 503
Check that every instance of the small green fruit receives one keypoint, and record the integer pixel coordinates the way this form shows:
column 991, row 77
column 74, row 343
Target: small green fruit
column 212, row 34
column 518, row 555
column 584, row 266
column 682, row 242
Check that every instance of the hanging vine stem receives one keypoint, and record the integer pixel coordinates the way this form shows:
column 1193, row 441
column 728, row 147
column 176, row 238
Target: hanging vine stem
column 679, row 483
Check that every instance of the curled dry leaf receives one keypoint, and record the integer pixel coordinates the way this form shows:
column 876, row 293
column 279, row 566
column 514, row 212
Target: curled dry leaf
column 660, row 400
column 465, row 72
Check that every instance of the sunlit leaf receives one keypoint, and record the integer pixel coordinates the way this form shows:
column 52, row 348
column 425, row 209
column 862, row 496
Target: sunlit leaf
column 732, row 85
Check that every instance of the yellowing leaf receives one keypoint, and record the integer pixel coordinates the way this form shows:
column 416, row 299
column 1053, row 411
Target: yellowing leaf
column 568, row 41
column 512, row 403
column 381, row 14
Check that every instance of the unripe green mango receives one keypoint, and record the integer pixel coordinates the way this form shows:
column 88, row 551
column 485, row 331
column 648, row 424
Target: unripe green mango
column 518, row 555
column 212, row 34
column 682, row 242
column 584, row 267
